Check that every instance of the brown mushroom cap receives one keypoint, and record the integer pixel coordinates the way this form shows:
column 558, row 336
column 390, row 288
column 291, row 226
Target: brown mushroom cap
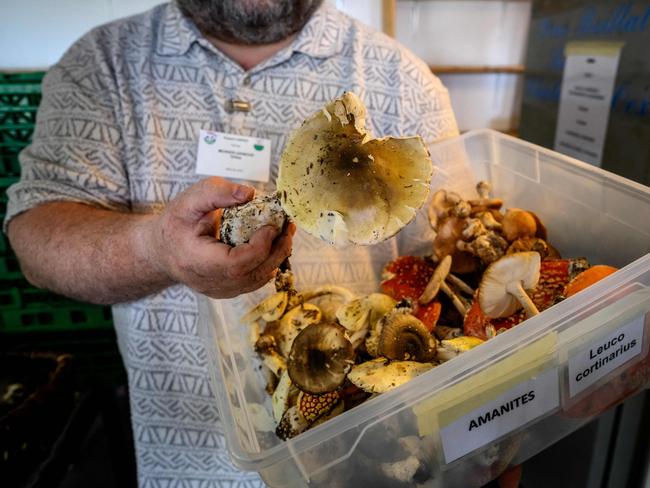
column 342, row 186
column 320, row 358
column 524, row 244
column 405, row 338
column 518, row 223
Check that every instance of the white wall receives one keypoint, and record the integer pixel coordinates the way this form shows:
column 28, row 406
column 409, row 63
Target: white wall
column 367, row 11
column 35, row 33
column 472, row 33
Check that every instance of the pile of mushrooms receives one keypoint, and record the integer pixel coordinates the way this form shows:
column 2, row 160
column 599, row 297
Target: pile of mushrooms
column 321, row 364
column 488, row 270
column 319, row 368
column 475, row 232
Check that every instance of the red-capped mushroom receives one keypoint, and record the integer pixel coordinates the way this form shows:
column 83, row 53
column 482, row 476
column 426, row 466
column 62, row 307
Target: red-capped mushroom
column 407, row 277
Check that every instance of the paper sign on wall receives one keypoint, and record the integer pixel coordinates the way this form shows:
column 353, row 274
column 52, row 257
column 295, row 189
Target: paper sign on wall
column 585, row 99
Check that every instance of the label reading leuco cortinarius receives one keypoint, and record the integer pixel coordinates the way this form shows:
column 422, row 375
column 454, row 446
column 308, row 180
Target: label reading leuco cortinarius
column 604, row 355
column 511, row 410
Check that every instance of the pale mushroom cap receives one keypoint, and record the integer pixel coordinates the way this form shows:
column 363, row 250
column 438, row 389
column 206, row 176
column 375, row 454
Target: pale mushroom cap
column 380, row 375
column 494, row 299
column 342, row 186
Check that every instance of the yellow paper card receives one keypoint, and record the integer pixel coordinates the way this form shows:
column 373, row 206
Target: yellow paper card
column 469, row 394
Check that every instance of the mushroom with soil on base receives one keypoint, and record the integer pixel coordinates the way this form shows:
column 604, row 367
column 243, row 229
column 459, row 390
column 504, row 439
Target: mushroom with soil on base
column 338, row 183
column 502, row 290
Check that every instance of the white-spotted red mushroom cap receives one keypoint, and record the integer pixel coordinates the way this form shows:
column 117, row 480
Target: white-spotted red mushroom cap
column 495, row 290
column 339, row 184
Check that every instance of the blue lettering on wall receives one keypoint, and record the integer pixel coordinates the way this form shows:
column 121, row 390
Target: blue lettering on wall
column 623, row 19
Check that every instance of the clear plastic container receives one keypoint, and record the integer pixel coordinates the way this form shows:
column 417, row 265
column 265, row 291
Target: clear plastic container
column 462, row 423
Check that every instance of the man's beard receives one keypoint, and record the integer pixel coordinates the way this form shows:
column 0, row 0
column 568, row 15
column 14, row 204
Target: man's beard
column 251, row 22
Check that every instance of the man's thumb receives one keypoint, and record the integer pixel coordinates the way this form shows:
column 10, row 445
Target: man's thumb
column 215, row 193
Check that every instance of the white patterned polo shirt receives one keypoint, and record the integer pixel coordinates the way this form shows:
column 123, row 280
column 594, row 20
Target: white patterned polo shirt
column 118, row 128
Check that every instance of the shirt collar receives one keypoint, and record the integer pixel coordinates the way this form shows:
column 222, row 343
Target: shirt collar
column 321, row 37
column 176, row 33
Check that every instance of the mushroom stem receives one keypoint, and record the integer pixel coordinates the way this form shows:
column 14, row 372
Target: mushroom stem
column 437, row 278
column 486, row 202
column 483, row 189
column 284, row 278
column 455, row 299
column 516, row 290
column 460, row 284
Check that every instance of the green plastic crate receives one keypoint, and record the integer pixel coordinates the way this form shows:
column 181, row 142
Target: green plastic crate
column 20, row 96
column 95, row 351
column 9, row 164
column 55, row 318
column 21, row 78
column 16, row 133
column 4, row 244
column 5, row 183
column 9, row 268
column 18, row 115
column 23, row 295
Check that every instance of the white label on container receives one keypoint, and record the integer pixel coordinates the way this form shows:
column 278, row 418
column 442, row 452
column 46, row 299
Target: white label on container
column 605, row 355
column 510, row 411
column 233, row 156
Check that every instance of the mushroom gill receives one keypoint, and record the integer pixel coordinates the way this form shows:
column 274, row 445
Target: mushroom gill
column 342, row 186
column 405, row 338
column 320, row 358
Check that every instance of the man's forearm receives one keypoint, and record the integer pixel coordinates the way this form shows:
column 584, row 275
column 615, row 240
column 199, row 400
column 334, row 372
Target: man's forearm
column 103, row 256
column 87, row 253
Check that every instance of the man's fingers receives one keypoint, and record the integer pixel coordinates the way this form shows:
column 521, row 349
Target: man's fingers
column 280, row 251
column 246, row 257
column 213, row 193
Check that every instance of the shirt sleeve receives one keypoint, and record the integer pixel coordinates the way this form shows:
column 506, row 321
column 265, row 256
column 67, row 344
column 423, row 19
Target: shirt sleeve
column 76, row 150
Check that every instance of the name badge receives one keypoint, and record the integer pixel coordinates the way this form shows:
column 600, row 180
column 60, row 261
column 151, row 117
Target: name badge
column 605, row 355
column 233, row 156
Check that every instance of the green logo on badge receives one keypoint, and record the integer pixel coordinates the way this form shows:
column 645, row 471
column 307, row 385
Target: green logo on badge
column 210, row 139
column 258, row 147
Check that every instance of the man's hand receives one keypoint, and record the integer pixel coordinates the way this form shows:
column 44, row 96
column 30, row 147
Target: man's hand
column 104, row 256
column 183, row 246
